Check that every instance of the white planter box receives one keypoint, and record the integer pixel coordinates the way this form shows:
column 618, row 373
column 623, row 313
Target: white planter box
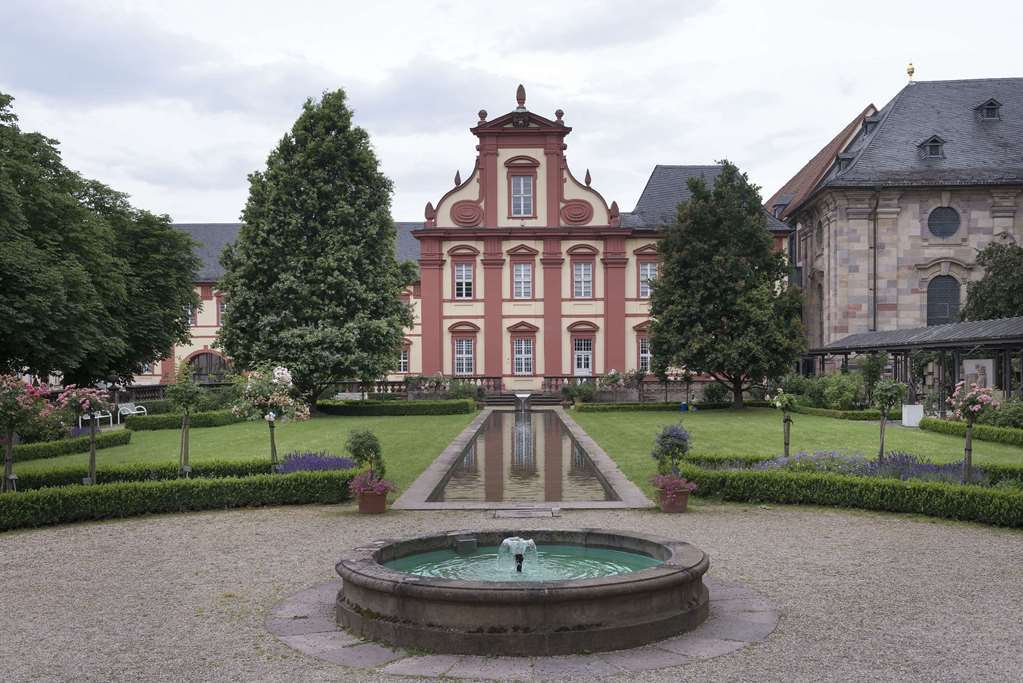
column 912, row 414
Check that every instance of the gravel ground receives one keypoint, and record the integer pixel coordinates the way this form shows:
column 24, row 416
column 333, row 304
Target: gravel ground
column 183, row 597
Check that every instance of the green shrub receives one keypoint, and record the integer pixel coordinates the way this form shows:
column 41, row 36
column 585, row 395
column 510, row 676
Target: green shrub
column 458, row 388
column 159, row 406
column 716, row 393
column 364, row 447
column 999, row 506
column 712, row 462
column 585, row 392
column 372, row 408
column 146, row 423
column 843, row 391
column 815, row 387
column 73, row 474
column 1009, row 414
column 79, row 444
column 794, row 383
column 66, row 504
column 661, row 406
column 867, row 415
column 1006, row 435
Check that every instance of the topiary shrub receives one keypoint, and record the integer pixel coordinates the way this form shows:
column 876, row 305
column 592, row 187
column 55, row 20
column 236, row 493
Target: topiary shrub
column 364, row 446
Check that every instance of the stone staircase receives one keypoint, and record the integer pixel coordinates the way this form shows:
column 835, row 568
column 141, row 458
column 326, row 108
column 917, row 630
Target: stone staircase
column 506, row 400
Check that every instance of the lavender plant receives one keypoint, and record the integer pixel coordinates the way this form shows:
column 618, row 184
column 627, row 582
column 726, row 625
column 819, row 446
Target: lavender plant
column 314, row 461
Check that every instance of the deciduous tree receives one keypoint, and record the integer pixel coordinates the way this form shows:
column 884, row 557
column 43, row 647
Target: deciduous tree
column 999, row 294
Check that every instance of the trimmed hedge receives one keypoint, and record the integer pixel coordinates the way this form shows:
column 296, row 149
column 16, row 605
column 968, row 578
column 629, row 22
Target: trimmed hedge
column 214, row 418
column 865, row 415
column 79, row 444
column 66, row 504
column 1006, row 435
column 159, row 406
column 376, row 408
column 660, row 406
column 1001, row 507
column 69, row 475
column 721, row 461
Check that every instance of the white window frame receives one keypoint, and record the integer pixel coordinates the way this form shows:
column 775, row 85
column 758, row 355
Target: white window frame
column 577, row 344
column 522, row 355
column 403, row 360
column 522, row 196
column 645, row 288
column 582, row 280
column 463, row 280
column 522, row 280
column 645, row 357
column 465, row 361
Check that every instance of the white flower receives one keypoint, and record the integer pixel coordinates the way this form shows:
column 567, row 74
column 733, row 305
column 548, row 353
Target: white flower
column 270, row 417
column 282, row 375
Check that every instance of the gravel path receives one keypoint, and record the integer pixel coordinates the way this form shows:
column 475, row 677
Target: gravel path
column 183, row 597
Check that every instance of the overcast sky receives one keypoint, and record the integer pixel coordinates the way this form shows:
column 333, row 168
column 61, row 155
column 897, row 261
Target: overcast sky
column 175, row 102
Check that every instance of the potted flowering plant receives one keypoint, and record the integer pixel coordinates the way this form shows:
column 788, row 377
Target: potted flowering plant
column 968, row 405
column 268, row 393
column 371, row 492
column 785, row 402
column 81, row 401
column 674, row 491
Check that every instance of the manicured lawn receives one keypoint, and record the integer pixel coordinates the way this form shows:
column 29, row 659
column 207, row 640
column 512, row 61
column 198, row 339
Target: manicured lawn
column 628, row 437
column 409, row 443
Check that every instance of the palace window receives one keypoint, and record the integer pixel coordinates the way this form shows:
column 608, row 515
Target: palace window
column 647, row 274
column 522, row 280
column 463, row 280
column 582, row 280
column 146, row 369
column 193, row 314
column 943, row 222
column 644, row 354
column 403, row 360
column 943, row 300
column 522, row 355
column 522, row 195
column 464, row 361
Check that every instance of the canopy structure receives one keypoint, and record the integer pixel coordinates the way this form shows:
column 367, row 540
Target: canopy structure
column 1001, row 340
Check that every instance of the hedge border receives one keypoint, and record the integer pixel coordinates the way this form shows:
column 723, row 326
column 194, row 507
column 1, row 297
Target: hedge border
column 661, row 406
column 393, row 408
column 862, row 415
column 65, row 504
column 79, row 444
column 212, row 418
column 1003, row 435
column 999, row 507
column 73, row 474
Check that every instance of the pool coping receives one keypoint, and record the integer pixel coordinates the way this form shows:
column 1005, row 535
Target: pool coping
column 416, row 496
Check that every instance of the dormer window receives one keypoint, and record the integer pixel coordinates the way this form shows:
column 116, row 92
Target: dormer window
column 870, row 123
column 844, row 161
column 990, row 110
column 932, row 148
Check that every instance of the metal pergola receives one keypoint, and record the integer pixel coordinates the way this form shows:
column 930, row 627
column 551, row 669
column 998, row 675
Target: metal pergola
column 1001, row 339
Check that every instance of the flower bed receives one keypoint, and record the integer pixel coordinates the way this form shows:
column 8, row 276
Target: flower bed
column 78, row 444
column 65, row 504
column 376, row 408
column 214, row 418
column 982, row 432
column 1001, row 507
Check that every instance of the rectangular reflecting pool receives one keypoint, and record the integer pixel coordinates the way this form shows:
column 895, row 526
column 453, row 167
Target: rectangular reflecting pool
column 523, row 456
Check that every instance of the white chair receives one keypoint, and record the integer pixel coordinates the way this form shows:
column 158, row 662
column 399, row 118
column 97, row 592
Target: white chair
column 127, row 409
column 99, row 415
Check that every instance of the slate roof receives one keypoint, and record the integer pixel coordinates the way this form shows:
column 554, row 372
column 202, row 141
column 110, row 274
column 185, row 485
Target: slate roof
column 968, row 334
column 666, row 188
column 976, row 151
column 213, row 237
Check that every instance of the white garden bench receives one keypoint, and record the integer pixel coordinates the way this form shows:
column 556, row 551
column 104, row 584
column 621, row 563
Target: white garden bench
column 99, row 415
column 127, row 409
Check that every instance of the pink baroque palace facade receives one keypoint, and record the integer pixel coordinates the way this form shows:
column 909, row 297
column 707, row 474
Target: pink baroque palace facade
column 529, row 277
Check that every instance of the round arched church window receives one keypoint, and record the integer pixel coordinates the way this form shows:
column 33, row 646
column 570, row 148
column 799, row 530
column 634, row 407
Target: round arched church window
column 943, row 221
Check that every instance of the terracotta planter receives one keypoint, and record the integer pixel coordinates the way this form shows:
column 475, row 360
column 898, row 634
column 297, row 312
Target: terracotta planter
column 676, row 504
column 372, row 503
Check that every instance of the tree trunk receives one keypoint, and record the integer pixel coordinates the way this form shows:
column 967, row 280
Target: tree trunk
column 92, row 449
column 183, row 465
column 786, row 427
column 666, row 393
column 8, row 484
column 884, row 423
column 968, row 454
column 273, row 444
column 737, row 394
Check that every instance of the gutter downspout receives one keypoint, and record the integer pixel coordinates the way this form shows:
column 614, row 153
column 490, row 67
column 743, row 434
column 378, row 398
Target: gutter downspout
column 873, row 275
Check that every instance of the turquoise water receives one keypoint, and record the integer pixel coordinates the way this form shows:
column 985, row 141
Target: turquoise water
column 556, row 563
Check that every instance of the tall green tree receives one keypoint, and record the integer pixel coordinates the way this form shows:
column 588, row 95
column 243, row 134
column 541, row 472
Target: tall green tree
column 999, row 294
column 312, row 279
column 719, row 303
column 91, row 287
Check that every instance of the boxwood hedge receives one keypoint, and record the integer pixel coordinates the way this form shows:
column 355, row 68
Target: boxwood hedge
column 866, row 415
column 73, row 474
column 213, row 418
column 65, row 504
column 660, row 406
column 998, row 506
column 1006, row 435
column 373, row 408
column 79, row 444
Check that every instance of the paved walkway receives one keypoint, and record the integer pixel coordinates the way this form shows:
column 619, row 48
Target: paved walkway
column 185, row 597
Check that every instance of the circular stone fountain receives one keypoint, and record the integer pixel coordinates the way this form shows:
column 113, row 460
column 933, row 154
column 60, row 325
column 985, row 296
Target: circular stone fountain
column 581, row 591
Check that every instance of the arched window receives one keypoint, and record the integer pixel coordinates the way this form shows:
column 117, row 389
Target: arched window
column 820, row 314
column 943, row 300
column 208, row 368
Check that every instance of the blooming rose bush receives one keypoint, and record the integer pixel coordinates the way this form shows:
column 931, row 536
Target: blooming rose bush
column 968, row 405
column 78, row 402
column 268, row 393
column 21, row 407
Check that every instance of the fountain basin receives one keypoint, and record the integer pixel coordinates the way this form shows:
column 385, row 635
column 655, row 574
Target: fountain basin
column 523, row 617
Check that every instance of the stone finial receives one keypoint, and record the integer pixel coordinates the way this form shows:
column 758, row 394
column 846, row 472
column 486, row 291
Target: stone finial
column 910, row 70
column 559, row 114
column 615, row 215
column 483, row 115
column 520, row 96
column 458, row 178
column 431, row 213
column 588, row 179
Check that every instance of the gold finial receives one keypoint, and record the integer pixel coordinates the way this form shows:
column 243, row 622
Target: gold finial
column 910, row 70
